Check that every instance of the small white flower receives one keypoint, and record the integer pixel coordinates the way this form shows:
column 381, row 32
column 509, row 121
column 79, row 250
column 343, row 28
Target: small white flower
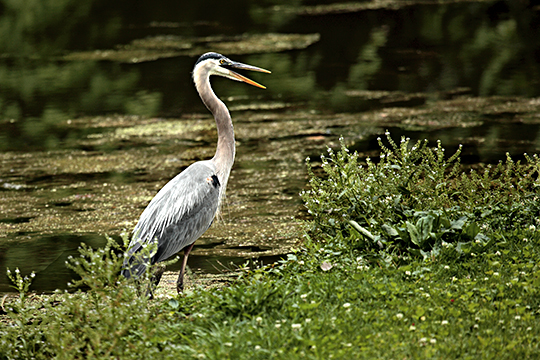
column 346, row 305
column 446, row 267
column 433, row 341
column 444, row 322
column 296, row 326
column 308, row 320
column 258, row 319
column 517, row 317
column 278, row 326
column 399, row 316
column 257, row 347
column 325, row 266
column 303, row 296
column 408, row 273
column 495, row 274
column 229, row 344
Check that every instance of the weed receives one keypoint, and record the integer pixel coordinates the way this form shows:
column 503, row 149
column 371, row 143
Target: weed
column 415, row 202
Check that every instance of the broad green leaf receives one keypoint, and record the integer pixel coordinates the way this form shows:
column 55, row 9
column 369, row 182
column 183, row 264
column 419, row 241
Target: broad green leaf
column 413, row 233
column 390, row 230
column 458, row 224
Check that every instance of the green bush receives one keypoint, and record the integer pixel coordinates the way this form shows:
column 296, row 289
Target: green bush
column 416, row 201
column 109, row 319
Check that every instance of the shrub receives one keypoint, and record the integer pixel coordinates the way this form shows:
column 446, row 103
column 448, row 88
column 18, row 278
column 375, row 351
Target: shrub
column 108, row 320
column 416, row 201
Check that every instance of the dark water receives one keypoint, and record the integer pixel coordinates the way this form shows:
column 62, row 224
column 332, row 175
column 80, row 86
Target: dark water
column 408, row 56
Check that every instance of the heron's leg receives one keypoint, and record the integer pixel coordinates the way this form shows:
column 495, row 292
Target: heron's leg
column 158, row 273
column 180, row 281
column 154, row 280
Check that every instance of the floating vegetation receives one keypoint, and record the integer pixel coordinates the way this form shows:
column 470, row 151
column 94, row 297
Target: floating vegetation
column 352, row 7
column 164, row 46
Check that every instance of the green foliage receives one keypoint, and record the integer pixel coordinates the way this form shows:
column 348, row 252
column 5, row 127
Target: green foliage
column 480, row 308
column 101, row 322
column 415, row 200
column 467, row 284
column 98, row 269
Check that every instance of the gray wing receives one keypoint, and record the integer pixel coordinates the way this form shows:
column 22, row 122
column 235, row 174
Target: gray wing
column 179, row 214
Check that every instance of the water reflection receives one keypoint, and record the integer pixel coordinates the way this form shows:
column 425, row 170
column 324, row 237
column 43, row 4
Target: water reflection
column 86, row 143
column 489, row 48
column 45, row 256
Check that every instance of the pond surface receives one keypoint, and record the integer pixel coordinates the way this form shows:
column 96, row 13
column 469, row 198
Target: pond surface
column 98, row 110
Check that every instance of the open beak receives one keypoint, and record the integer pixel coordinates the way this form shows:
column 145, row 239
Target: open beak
column 237, row 65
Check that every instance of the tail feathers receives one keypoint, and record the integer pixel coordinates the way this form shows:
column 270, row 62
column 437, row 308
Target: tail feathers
column 135, row 266
column 134, row 270
column 139, row 257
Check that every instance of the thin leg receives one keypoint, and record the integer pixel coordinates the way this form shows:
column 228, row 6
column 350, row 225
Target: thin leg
column 154, row 281
column 158, row 273
column 180, row 281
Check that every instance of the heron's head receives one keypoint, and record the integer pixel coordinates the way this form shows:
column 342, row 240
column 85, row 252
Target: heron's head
column 216, row 64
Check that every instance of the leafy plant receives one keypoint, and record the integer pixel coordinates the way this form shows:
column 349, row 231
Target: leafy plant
column 415, row 199
column 99, row 322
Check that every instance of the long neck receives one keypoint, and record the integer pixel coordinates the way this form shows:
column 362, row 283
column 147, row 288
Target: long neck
column 225, row 151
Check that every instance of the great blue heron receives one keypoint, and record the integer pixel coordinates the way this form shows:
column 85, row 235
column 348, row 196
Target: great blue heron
column 187, row 205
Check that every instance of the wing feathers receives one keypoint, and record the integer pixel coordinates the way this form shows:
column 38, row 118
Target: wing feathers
column 179, row 214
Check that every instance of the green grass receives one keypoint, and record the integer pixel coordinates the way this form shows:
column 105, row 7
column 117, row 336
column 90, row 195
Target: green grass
column 457, row 278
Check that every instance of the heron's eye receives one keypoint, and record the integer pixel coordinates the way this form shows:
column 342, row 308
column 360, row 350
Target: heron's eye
column 222, row 62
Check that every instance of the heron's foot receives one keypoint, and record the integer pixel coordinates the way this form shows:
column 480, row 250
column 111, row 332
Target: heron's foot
column 180, row 283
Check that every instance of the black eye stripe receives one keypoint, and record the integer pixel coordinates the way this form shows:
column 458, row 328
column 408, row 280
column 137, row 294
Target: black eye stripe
column 211, row 55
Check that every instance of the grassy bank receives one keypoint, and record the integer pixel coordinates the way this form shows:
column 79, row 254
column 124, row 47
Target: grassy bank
column 406, row 257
